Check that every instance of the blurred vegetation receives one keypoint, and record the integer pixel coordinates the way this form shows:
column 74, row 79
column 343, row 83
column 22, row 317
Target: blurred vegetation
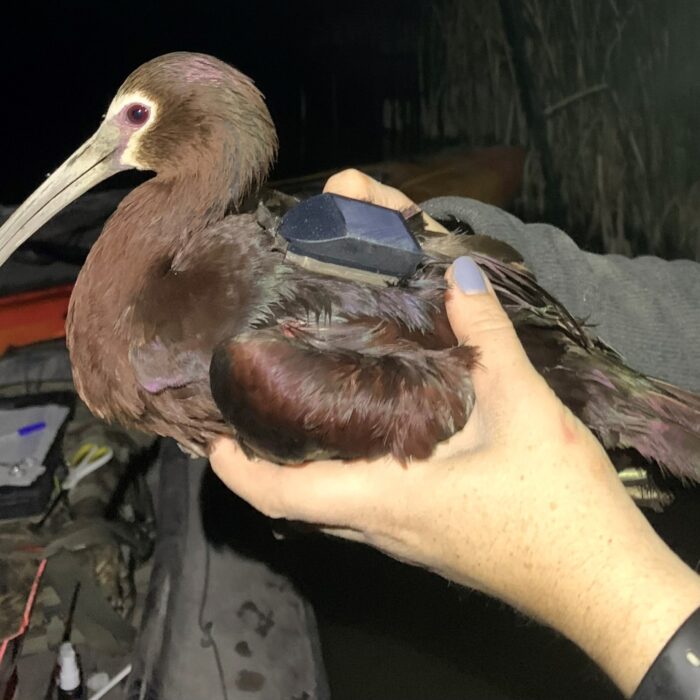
column 605, row 94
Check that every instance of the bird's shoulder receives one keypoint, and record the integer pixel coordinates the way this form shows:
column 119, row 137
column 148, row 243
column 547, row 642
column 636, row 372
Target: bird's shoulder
column 194, row 298
column 236, row 237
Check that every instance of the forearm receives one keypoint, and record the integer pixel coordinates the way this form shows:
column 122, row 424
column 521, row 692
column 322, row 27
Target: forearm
column 624, row 616
column 591, row 567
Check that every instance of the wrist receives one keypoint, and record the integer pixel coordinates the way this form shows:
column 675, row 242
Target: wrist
column 584, row 560
column 623, row 616
column 648, row 614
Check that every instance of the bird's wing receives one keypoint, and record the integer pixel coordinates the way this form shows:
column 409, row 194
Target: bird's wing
column 516, row 286
column 623, row 407
column 295, row 392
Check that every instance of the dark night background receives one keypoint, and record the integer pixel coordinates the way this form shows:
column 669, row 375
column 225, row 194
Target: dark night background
column 327, row 69
column 63, row 61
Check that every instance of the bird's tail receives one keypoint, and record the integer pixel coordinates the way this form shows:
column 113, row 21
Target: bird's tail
column 630, row 410
column 669, row 430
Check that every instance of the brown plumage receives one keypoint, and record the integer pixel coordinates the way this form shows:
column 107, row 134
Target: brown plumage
column 188, row 321
column 351, row 389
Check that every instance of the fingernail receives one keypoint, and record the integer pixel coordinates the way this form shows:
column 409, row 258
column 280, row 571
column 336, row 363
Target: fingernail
column 468, row 276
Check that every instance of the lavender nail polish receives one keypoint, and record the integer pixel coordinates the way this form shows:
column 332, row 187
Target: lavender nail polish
column 468, row 276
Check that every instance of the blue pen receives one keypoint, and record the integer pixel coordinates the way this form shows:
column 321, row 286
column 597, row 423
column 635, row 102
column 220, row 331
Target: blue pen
column 24, row 431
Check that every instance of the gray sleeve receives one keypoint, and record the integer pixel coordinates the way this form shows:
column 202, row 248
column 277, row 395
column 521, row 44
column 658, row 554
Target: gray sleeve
column 646, row 308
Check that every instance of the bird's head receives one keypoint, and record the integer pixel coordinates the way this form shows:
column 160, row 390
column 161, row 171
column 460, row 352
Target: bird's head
column 180, row 115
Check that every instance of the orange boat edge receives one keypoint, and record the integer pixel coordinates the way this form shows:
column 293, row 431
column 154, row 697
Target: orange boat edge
column 33, row 317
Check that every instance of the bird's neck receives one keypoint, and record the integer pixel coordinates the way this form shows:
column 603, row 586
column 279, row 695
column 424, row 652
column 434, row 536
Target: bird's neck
column 163, row 213
column 150, row 225
column 138, row 245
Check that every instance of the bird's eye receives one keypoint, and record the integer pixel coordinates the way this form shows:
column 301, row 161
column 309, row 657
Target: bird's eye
column 137, row 114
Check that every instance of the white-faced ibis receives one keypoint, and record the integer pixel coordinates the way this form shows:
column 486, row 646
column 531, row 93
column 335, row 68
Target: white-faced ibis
column 188, row 321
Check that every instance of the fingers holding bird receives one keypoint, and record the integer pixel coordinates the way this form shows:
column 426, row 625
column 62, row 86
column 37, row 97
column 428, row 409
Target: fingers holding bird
column 493, row 489
column 337, row 495
column 358, row 185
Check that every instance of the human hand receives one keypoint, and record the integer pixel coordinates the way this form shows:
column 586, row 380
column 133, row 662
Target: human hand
column 481, row 511
column 523, row 503
column 358, row 185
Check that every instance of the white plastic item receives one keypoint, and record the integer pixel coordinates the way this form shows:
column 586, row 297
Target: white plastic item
column 113, row 683
column 69, row 675
column 97, row 681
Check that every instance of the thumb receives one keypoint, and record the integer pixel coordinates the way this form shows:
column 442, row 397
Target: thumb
column 477, row 318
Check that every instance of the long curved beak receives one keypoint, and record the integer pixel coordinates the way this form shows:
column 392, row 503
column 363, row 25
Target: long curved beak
column 95, row 161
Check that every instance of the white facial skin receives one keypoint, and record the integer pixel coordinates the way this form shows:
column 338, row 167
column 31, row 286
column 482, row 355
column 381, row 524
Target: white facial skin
column 113, row 147
column 121, row 113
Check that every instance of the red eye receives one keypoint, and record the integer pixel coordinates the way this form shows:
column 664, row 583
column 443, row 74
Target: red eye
column 137, row 114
